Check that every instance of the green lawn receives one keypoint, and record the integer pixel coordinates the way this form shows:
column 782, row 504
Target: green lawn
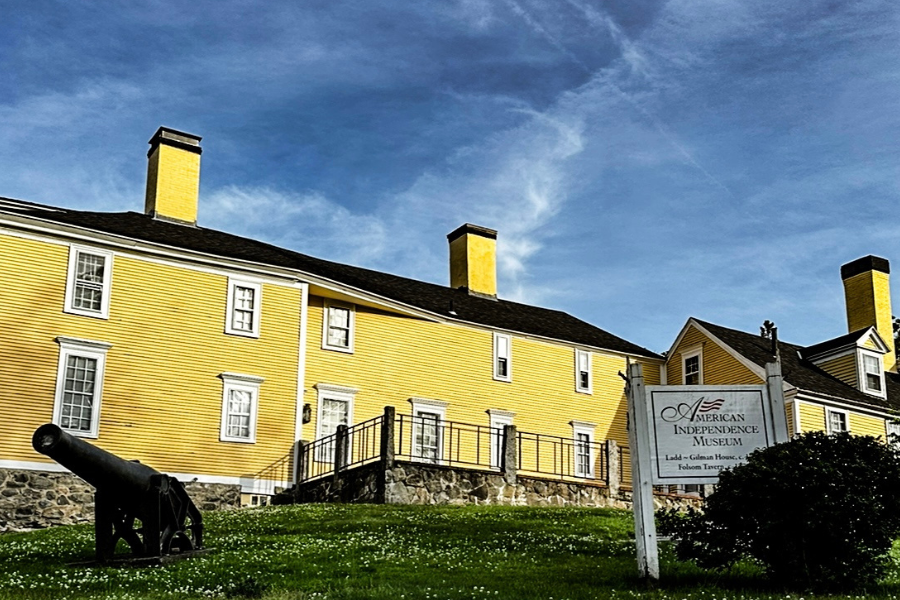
column 382, row 552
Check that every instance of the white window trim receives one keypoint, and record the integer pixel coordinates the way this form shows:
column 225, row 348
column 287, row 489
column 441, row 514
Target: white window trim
column 861, row 372
column 334, row 392
column 328, row 304
column 588, row 429
column 74, row 251
column 498, row 418
column 234, row 282
column 89, row 349
column 243, row 383
column 590, row 386
column 690, row 353
column 430, row 405
column 829, row 411
column 497, row 337
column 892, row 437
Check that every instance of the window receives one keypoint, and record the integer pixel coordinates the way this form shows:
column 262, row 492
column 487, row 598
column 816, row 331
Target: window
column 335, row 408
column 836, row 420
column 88, row 282
column 244, row 301
column 873, row 374
column 692, row 363
column 337, row 328
column 583, row 371
column 893, row 432
column 79, row 385
column 240, row 401
column 583, row 448
column 499, row 420
column 502, row 357
column 428, row 429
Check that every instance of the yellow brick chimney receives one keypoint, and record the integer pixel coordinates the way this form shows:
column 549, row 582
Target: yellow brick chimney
column 867, row 292
column 173, row 176
column 473, row 260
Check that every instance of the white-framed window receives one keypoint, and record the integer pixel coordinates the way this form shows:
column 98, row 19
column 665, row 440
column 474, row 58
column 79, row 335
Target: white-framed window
column 335, row 408
column 892, row 430
column 88, row 282
column 872, row 373
column 428, row 418
column 243, row 308
column 79, row 385
column 502, row 357
column 338, row 324
column 692, row 367
column 240, row 404
column 836, row 420
column 499, row 420
column 583, row 380
column 583, row 448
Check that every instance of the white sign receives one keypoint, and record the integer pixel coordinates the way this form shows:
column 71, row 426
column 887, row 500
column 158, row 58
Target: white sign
column 697, row 431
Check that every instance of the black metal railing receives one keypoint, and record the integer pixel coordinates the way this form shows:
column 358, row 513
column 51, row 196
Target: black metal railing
column 350, row 446
column 561, row 457
column 449, row 443
column 276, row 476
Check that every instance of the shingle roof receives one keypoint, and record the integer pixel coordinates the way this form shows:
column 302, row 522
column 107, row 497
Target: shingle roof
column 501, row 314
column 833, row 344
column 800, row 372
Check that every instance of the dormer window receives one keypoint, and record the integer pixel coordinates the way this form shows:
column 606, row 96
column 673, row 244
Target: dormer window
column 873, row 375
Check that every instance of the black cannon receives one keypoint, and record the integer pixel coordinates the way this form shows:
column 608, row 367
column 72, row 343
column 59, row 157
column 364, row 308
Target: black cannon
column 127, row 491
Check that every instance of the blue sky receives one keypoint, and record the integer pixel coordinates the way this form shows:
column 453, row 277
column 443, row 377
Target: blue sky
column 643, row 161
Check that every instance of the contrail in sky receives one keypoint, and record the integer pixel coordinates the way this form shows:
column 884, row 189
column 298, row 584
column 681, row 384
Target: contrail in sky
column 626, row 47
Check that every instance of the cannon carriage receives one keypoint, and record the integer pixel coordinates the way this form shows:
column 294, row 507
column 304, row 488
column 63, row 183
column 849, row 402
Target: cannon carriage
column 128, row 493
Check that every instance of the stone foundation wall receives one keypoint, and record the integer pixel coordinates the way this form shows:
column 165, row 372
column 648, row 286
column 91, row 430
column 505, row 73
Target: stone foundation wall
column 36, row 499
column 417, row 483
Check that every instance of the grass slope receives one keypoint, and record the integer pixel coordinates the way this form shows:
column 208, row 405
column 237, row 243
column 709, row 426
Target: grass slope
column 381, row 552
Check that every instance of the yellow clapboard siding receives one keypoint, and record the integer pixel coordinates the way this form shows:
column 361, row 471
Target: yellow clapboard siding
column 718, row 366
column 789, row 414
column 842, row 367
column 866, row 425
column 812, row 417
column 870, row 344
column 162, row 397
column 398, row 358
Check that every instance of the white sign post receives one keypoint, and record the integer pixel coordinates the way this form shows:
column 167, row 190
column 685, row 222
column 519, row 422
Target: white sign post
column 642, row 488
column 687, row 434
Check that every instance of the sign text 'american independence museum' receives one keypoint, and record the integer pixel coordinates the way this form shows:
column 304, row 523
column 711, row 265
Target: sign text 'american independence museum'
column 698, row 431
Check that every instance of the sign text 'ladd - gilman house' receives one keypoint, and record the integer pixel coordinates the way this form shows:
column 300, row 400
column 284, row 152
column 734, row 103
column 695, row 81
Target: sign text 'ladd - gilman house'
column 698, row 431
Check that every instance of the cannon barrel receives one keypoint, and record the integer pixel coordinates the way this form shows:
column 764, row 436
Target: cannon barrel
column 127, row 480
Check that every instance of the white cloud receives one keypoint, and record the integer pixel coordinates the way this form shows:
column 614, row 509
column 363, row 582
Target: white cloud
column 308, row 223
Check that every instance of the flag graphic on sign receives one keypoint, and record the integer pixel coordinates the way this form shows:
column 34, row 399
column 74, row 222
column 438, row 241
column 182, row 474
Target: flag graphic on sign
column 707, row 405
column 672, row 414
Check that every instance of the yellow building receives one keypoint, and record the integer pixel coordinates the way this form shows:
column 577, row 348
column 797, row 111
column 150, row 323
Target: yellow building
column 848, row 383
column 210, row 356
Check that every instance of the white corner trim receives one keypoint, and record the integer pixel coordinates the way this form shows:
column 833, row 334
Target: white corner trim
column 301, row 373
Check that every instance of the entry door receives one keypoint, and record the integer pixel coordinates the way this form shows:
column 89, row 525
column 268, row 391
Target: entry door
column 427, row 436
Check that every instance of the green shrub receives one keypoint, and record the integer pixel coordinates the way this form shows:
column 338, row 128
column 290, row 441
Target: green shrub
column 819, row 512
